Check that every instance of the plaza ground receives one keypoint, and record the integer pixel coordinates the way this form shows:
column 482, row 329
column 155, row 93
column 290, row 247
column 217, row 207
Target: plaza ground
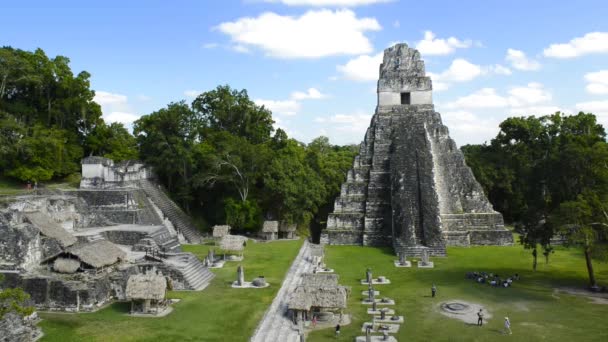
column 220, row 313
column 536, row 311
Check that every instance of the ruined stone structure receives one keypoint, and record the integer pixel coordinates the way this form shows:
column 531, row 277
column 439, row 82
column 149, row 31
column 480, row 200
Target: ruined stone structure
column 74, row 250
column 409, row 187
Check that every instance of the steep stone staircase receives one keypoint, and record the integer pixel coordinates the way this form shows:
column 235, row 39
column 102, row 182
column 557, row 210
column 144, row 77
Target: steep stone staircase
column 175, row 214
column 165, row 241
column 195, row 275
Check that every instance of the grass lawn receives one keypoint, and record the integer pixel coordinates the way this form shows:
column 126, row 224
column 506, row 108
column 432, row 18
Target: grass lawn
column 10, row 187
column 536, row 313
column 218, row 313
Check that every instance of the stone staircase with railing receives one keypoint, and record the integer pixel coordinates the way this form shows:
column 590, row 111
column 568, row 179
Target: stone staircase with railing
column 194, row 274
column 165, row 241
column 180, row 220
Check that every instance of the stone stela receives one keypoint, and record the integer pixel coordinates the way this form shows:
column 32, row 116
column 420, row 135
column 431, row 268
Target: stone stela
column 409, row 187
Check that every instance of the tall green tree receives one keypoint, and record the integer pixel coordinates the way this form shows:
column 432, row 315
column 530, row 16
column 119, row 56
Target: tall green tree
column 166, row 138
column 231, row 110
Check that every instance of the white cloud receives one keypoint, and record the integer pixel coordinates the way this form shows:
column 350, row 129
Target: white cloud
column 317, row 33
column 500, row 69
column 104, row 98
column 285, row 107
column 240, row 48
column 362, row 68
column 192, row 93
column 115, row 107
column 210, row 45
column 520, row 61
column 439, row 46
column 462, row 70
column 466, row 127
column 143, row 98
column 328, row 3
column 531, row 94
column 590, row 43
column 311, row 93
column 596, row 107
column 483, row 98
column 122, row 117
column 597, row 82
column 459, row 71
column 396, row 24
column 535, row 110
column 346, row 128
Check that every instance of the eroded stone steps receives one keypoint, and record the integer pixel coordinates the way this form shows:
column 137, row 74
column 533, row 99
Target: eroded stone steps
column 180, row 220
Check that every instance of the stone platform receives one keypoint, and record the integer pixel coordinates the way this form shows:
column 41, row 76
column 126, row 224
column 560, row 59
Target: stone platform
column 375, row 338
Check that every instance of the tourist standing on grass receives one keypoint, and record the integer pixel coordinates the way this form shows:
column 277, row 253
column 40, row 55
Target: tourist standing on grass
column 337, row 330
column 433, row 290
column 314, row 320
column 480, row 318
column 507, row 326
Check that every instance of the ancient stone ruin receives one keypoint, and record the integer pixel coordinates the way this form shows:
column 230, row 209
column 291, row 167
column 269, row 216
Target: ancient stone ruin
column 75, row 250
column 409, row 187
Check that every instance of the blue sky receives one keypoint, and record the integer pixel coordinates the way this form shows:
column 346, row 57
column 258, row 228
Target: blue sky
column 315, row 62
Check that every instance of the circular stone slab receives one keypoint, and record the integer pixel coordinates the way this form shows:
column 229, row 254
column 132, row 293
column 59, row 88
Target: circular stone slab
column 463, row 311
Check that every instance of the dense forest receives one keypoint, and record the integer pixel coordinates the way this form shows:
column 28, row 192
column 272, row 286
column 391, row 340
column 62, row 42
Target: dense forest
column 548, row 176
column 219, row 157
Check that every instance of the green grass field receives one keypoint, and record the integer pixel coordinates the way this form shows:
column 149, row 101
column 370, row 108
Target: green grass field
column 536, row 313
column 219, row 313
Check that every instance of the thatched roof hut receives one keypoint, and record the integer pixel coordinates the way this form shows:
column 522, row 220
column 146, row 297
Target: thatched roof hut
column 65, row 265
column 306, row 297
column 97, row 253
column 233, row 243
column 221, row 231
column 287, row 227
column 320, row 279
column 270, row 227
column 146, row 286
column 49, row 228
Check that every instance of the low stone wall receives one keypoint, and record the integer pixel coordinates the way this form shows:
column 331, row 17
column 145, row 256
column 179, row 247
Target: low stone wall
column 458, row 238
column 345, row 237
column 492, row 237
column 54, row 294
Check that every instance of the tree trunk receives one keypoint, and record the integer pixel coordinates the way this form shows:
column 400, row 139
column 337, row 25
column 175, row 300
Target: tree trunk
column 534, row 261
column 592, row 282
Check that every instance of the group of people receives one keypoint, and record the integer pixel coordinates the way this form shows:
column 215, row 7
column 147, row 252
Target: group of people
column 492, row 279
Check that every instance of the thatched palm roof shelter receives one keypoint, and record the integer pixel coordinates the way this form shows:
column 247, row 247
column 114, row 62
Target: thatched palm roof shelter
column 233, row 243
column 320, row 279
column 221, row 231
column 270, row 230
column 98, row 253
column 288, row 227
column 146, row 286
column 304, row 298
column 49, row 228
column 270, row 227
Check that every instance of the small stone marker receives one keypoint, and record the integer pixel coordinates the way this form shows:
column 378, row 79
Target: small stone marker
column 240, row 276
column 368, row 275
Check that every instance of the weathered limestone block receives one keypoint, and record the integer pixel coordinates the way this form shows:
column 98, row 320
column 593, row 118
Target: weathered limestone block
column 410, row 187
column 14, row 328
column 19, row 245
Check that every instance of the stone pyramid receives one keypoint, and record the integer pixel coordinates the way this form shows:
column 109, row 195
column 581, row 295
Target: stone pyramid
column 409, row 187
